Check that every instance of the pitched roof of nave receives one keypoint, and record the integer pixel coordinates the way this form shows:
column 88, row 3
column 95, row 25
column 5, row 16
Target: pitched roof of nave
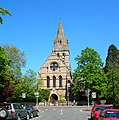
column 54, row 58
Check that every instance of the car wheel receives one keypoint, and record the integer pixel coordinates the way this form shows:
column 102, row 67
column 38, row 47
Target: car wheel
column 3, row 113
column 31, row 115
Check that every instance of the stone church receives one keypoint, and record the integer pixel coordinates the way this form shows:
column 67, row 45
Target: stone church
column 56, row 71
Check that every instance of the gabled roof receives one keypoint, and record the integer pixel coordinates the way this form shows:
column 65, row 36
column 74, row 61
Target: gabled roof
column 54, row 58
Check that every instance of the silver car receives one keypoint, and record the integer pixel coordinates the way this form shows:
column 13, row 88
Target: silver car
column 15, row 111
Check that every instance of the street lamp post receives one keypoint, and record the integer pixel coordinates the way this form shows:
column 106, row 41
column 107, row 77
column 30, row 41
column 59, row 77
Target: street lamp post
column 36, row 95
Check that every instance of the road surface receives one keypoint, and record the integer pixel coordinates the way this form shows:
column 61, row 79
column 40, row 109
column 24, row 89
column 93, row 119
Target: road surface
column 63, row 113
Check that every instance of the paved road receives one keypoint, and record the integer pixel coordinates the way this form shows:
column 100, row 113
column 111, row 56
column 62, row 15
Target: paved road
column 63, row 113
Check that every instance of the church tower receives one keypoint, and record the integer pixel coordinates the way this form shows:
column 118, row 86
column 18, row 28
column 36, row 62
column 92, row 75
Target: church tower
column 61, row 45
column 56, row 71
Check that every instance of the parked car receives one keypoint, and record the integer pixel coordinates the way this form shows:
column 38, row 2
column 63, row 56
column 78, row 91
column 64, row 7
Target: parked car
column 95, row 111
column 32, row 111
column 109, row 114
column 15, row 111
column 3, row 113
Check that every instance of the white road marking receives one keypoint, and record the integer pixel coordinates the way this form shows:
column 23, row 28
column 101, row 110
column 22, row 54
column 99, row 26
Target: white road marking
column 61, row 112
column 54, row 109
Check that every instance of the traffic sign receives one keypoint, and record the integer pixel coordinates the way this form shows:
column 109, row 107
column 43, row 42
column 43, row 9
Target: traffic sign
column 93, row 94
column 23, row 95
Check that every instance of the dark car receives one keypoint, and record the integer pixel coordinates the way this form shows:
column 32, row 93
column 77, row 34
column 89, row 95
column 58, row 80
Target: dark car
column 15, row 111
column 32, row 111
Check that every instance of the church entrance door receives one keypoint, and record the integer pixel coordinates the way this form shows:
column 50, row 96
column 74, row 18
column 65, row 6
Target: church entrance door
column 54, row 99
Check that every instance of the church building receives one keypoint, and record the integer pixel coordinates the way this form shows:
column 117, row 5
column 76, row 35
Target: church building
column 56, row 72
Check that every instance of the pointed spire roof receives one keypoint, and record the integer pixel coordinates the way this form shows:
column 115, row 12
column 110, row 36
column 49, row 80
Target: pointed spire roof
column 60, row 42
column 60, row 29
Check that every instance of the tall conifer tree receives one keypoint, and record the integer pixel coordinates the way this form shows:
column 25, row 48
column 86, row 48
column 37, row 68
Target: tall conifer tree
column 112, row 69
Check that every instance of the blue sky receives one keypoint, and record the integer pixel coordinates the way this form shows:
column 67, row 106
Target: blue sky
column 34, row 23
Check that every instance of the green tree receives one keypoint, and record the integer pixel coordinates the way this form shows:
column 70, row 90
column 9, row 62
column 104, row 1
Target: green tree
column 90, row 70
column 30, row 82
column 28, row 85
column 112, row 72
column 44, row 94
column 3, row 11
column 78, row 86
column 6, row 86
column 18, row 61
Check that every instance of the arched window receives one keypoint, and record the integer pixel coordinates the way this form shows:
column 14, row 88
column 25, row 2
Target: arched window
column 60, row 42
column 54, row 66
column 60, row 81
column 54, row 81
column 63, row 56
column 58, row 55
column 48, row 81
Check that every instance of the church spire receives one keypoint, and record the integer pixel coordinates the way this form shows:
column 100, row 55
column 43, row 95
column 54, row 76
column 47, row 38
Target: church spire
column 60, row 29
column 60, row 42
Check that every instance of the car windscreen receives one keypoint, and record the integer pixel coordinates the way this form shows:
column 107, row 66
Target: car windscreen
column 17, row 106
column 112, row 114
